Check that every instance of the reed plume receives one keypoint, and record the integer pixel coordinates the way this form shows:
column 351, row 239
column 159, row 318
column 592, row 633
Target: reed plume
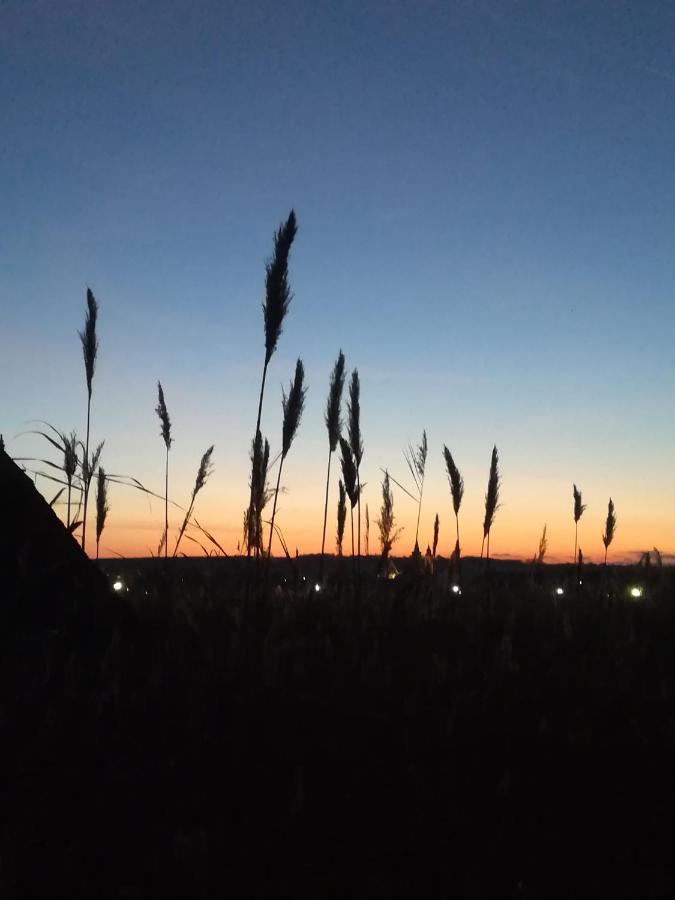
column 203, row 472
column 292, row 404
column 350, row 479
column 367, row 518
column 491, row 500
column 333, row 419
column 579, row 508
column 387, row 521
column 89, row 352
column 541, row 550
column 70, row 463
column 275, row 306
column 355, row 439
column 165, row 432
column 341, row 517
column 260, row 457
column 102, row 507
column 416, row 458
column 610, row 527
column 437, row 526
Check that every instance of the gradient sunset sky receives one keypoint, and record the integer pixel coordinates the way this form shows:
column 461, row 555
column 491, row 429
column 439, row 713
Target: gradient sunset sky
column 485, row 194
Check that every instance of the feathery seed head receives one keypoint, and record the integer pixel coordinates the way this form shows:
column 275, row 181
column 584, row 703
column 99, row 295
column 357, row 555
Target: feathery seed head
column 70, row 459
column 277, row 291
column 610, row 525
column 102, row 507
column 579, row 507
column 492, row 493
column 89, row 339
column 163, row 414
column 203, row 472
column 354, row 418
column 349, row 476
column 456, row 480
column 293, row 405
column 333, row 416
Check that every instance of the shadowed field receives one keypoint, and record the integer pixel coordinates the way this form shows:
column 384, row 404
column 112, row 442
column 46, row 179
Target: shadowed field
column 205, row 739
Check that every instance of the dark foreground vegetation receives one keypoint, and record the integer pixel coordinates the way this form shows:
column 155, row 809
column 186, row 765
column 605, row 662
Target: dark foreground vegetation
column 193, row 737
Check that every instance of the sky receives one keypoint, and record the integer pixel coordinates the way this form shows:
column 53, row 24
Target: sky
column 485, row 194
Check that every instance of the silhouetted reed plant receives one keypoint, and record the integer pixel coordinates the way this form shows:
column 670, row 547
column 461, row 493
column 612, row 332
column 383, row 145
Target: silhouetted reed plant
column 491, row 502
column 260, row 494
column 277, row 299
column 416, row 458
column 349, row 478
column 355, row 441
column 165, row 432
column 579, row 508
column 457, row 493
column 89, row 352
column 70, row 463
column 203, row 472
column 293, row 404
column 610, row 527
column 333, row 419
column 102, row 506
column 341, row 517
column 387, row 522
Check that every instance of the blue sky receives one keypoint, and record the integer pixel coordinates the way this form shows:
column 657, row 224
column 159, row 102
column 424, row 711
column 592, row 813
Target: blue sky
column 486, row 202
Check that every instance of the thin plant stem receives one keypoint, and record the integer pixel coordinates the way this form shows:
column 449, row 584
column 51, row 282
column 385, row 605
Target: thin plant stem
column 87, row 479
column 166, row 507
column 325, row 516
column 274, row 512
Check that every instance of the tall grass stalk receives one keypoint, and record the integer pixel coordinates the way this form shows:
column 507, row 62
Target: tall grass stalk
column 292, row 404
column 579, row 508
column 416, row 458
column 70, row 463
column 333, row 421
column 341, row 517
column 386, row 523
column 102, row 507
column 89, row 352
column 491, row 501
column 457, row 492
column 355, row 440
column 610, row 527
column 349, row 479
column 165, row 432
column 203, row 472
column 277, row 299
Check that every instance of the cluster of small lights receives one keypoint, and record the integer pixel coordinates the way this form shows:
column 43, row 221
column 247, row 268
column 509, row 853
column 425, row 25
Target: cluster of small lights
column 636, row 592
column 317, row 588
column 118, row 585
column 456, row 589
column 560, row 591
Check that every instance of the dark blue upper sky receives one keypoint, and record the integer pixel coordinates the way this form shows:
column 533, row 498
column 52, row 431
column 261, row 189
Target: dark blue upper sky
column 485, row 192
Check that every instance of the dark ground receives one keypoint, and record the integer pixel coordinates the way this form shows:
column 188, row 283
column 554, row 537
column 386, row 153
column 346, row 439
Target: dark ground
column 191, row 742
